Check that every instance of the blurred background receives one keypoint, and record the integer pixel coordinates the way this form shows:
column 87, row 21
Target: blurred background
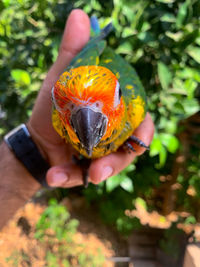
column 161, row 40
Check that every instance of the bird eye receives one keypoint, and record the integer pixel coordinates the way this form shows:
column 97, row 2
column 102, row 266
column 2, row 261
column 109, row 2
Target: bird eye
column 117, row 95
column 120, row 92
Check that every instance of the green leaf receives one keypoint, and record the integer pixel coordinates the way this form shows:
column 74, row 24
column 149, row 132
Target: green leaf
column 41, row 59
column 127, row 184
column 164, row 74
column 197, row 41
column 129, row 168
column 162, row 157
column 155, row 146
column 125, row 48
column 190, row 86
column 194, row 52
column 113, row 182
column 166, row 1
column 191, row 106
column 169, row 125
column 182, row 13
column 65, row 263
column 127, row 31
column 51, row 259
column 140, row 201
column 168, row 17
column 6, row 3
column 188, row 72
column 177, row 36
column 170, row 141
column 190, row 220
column 21, row 77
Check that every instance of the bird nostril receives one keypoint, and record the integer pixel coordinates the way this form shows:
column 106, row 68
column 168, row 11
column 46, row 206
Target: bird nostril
column 98, row 104
column 72, row 106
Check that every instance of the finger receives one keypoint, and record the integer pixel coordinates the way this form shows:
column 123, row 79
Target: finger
column 66, row 175
column 145, row 133
column 76, row 35
column 113, row 163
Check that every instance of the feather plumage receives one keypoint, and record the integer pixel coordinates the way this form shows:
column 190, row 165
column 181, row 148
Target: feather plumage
column 99, row 80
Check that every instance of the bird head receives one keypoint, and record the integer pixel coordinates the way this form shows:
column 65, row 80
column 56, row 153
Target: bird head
column 90, row 105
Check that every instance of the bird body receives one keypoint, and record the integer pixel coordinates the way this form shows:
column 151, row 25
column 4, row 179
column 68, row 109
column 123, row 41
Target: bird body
column 98, row 101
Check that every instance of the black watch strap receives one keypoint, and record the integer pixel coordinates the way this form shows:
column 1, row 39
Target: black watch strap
column 20, row 142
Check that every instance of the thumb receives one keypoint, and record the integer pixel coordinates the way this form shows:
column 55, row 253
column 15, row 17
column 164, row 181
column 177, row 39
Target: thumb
column 66, row 175
column 76, row 35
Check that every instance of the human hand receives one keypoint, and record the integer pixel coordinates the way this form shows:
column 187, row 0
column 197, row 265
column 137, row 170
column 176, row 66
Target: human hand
column 64, row 172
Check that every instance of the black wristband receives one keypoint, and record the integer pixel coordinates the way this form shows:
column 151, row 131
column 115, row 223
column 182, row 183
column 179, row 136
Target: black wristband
column 20, row 142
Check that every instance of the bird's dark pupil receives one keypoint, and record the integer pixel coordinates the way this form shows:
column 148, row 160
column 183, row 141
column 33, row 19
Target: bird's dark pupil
column 120, row 93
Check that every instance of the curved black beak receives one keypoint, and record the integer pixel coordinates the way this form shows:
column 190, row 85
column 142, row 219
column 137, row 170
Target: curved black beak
column 89, row 126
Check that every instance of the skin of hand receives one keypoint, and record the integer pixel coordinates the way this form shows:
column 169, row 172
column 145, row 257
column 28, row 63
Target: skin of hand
column 64, row 172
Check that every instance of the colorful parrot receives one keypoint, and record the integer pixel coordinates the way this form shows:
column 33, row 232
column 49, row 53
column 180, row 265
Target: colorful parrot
column 98, row 101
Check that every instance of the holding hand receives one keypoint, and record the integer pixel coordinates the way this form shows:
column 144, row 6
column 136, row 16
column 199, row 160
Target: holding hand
column 64, row 172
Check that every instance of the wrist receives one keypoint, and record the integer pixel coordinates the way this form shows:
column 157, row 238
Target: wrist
column 18, row 179
column 20, row 142
column 40, row 143
column 16, row 184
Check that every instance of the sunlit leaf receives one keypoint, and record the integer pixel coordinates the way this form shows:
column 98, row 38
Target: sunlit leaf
column 188, row 72
column 162, row 157
column 127, row 32
column 190, row 86
column 168, row 17
column 194, row 52
column 113, row 182
column 182, row 13
column 191, row 106
column 164, row 74
column 155, row 147
column 127, row 184
column 125, row 48
column 141, row 202
column 169, row 125
column 170, row 142
column 175, row 36
column 6, row 3
column 166, row 1
column 21, row 77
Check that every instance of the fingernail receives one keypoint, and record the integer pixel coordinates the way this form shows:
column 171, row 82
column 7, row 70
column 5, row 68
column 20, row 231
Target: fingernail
column 107, row 171
column 59, row 178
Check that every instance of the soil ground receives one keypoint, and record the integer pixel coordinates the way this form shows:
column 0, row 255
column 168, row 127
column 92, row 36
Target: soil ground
column 18, row 235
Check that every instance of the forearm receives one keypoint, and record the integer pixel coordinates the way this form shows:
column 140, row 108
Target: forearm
column 16, row 185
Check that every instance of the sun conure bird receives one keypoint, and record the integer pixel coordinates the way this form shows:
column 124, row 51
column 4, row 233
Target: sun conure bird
column 98, row 101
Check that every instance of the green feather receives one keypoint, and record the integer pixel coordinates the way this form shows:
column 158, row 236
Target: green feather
column 97, row 53
column 126, row 73
column 89, row 55
column 93, row 49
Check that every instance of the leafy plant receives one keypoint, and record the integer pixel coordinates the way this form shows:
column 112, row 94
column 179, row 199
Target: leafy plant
column 56, row 242
column 57, row 232
column 161, row 39
column 16, row 258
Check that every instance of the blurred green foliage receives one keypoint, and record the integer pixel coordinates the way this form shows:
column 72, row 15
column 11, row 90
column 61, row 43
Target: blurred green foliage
column 161, row 39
